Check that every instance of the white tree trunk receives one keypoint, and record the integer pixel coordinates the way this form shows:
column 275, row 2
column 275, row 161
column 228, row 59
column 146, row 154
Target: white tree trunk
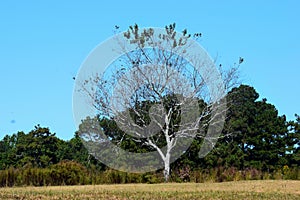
column 167, row 167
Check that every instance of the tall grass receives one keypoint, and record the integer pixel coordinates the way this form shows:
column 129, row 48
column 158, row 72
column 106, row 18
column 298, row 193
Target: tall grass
column 72, row 173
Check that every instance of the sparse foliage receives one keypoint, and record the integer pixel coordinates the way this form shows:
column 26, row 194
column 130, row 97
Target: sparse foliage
column 158, row 96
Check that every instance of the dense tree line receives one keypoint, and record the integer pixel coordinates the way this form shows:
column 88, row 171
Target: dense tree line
column 256, row 143
column 40, row 148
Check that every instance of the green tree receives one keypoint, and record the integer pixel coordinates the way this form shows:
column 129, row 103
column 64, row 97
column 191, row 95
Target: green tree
column 256, row 135
column 267, row 138
column 293, row 142
column 38, row 147
column 231, row 148
column 8, row 150
column 75, row 150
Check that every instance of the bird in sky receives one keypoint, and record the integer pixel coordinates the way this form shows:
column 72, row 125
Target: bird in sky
column 241, row 60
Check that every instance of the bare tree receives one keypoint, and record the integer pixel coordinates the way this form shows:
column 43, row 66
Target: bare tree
column 163, row 93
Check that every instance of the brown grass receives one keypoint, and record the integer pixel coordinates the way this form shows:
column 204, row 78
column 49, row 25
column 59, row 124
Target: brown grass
column 228, row 190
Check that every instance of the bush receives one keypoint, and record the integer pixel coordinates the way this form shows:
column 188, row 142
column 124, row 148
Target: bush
column 73, row 173
column 69, row 173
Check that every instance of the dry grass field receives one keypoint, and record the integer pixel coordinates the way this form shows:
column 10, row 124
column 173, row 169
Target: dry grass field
column 229, row 190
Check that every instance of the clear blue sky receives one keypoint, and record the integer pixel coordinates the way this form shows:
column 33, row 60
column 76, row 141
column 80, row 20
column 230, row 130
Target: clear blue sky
column 42, row 46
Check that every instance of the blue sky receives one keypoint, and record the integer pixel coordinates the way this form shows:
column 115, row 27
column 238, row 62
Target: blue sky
column 42, row 45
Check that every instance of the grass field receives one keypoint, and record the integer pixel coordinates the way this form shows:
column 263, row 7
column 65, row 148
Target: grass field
column 228, row 190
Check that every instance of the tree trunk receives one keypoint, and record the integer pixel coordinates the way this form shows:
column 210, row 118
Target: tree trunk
column 167, row 167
